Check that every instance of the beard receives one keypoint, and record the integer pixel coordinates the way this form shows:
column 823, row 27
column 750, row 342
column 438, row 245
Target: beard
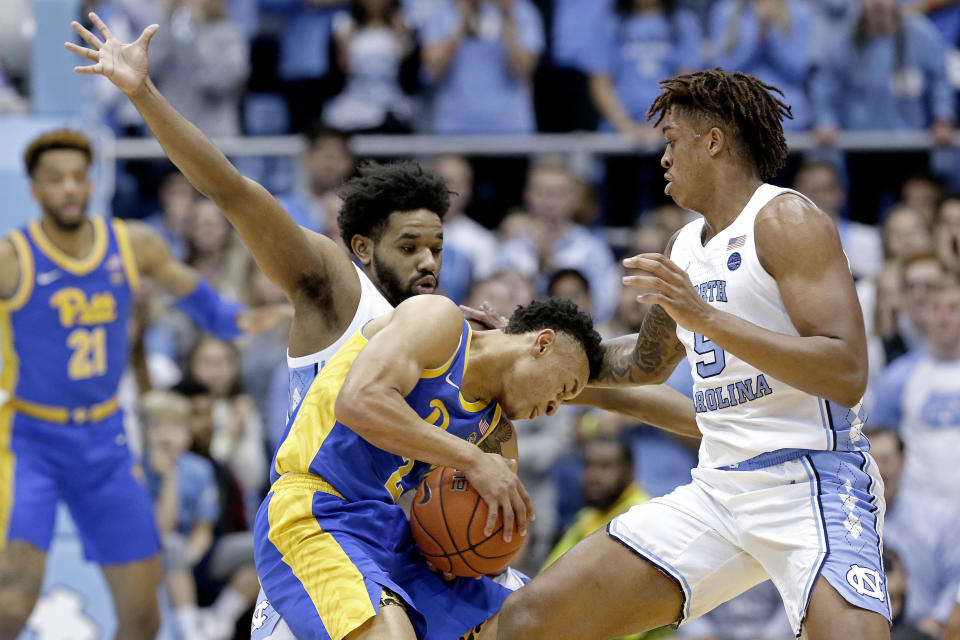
column 394, row 289
column 64, row 224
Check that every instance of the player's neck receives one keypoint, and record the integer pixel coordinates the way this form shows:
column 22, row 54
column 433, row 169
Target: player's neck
column 723, row 205
column 76, row 243
column 482, row 379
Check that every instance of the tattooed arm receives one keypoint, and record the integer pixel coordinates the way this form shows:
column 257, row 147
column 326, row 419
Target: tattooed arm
column 502, row 440
column 648, row 357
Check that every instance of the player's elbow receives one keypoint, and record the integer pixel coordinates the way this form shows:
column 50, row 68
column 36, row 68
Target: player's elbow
column 850, row 385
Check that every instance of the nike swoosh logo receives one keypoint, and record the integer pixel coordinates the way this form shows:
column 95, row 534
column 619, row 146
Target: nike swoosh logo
column 47, row 277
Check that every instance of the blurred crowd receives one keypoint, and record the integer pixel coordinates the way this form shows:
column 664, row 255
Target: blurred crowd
column 211, row 412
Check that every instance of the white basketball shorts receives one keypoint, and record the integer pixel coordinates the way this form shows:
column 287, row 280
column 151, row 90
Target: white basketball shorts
column 820, row 513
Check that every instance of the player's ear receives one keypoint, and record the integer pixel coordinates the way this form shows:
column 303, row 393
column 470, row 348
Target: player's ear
column 362, row 247
column 543, row 342
column 716, row 141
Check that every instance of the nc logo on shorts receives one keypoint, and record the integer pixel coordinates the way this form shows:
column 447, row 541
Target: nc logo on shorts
column 866, row 581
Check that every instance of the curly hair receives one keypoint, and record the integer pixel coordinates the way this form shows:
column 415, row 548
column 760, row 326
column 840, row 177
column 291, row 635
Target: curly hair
column 564, row 317
column 737, row 102
column 382, row 189
column 57, row 139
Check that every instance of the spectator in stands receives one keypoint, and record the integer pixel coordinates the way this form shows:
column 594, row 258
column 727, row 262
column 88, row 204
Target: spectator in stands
column 898, row 588
column 920, row 397
column 324, row 166
column 200, row 61
column 10, row 100
column 952, row 629
column 608, row 489
column 177, row 197
column 906, row 233
column 480, row 56
column 371, row 44
column 946, row 232
column 888, row 306
column 922, row 192
column 769, row 39
column 888, row 73
column 553, row 242
column 639, row 43
column 184, row 491
column 214, row 250
column 861, row 242
column 920, row 274
column 237, row 439
column 572, row 285
column 563, row 75
column 922, row 529
column 305, row 63
column 460, row 231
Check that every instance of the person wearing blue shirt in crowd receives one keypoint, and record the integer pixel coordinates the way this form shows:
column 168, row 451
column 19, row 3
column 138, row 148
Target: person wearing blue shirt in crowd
column 305, row 44
column 479, row 56
column 768, row 39
column 887, row 73
column 922, row 530
column 638, row 44
column 919, row 395
column 183, row 488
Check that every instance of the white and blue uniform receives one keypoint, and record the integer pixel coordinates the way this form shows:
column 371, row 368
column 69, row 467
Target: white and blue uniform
column 784, row 488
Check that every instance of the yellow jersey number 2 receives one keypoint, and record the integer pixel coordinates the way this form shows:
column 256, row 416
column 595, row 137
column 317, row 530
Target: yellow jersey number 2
column 439, row 417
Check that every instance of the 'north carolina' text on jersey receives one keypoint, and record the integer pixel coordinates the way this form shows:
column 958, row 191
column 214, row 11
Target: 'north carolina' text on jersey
column 315, row 442
column 741, row 411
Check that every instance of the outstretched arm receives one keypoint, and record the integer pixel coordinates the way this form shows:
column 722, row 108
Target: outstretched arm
column 290, row 256
column 658, row 405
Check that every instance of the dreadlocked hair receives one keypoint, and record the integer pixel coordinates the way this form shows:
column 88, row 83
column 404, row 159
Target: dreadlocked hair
column 737, row 102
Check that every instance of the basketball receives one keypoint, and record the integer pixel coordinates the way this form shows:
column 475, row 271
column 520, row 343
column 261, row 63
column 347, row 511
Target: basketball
column 447, row 521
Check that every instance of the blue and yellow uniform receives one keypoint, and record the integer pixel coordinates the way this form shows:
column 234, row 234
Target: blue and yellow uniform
column 330, row 537
column 63, row 336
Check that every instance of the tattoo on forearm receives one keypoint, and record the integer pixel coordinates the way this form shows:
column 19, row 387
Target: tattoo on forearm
column 493, row 443
column 656, row 349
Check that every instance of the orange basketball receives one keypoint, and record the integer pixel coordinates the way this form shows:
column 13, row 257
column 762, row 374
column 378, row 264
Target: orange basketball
column 447, row 521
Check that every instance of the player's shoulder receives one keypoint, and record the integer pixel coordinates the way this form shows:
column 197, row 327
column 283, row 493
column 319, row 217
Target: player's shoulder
column 434, row 311
column 790, row 219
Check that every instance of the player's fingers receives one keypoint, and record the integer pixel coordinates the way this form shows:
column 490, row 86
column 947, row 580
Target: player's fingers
column 650, row 282
column 528, row 503
column 90, row 68
column 147, row 35
column 101, row 26
column 508, row 519
column 88, row 37
column 493, row 509
column 520, row 516
column 89, row 54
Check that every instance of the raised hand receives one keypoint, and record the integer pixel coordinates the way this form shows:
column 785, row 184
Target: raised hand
column 667, row 285
column 125, row 65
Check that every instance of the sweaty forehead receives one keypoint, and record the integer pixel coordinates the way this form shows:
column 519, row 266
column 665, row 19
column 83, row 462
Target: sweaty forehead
column 421, row 223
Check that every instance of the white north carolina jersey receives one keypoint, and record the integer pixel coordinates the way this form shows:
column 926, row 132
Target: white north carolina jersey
column 303, row 369
column 741, row 411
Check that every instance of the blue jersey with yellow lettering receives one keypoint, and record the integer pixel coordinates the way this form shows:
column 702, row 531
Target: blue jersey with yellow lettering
column 316, row 443
column 64, row 332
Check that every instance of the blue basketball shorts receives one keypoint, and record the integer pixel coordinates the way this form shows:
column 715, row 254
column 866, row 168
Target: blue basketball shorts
column 323, row 563
column 87, row 466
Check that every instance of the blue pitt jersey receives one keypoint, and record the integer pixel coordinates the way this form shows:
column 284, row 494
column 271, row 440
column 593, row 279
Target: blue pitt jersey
column 316, row 443
column 64, row 332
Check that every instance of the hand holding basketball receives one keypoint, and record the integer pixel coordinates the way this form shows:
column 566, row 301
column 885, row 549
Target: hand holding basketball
column 495, row 479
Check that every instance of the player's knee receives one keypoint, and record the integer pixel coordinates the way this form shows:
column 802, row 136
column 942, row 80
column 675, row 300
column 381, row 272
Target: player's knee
column 139, row 620
column 19, row 591
column 520, row 618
